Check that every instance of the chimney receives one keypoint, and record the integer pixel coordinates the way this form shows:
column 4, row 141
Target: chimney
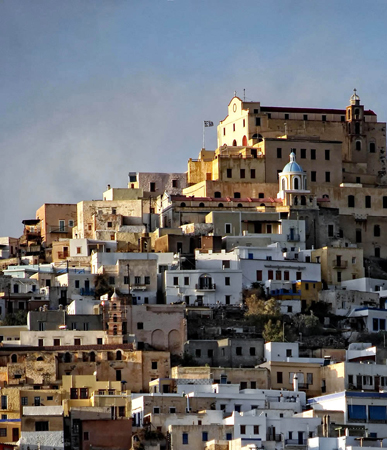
column 295, row 383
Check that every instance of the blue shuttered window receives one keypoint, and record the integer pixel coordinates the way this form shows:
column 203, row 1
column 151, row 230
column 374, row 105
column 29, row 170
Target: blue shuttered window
column 357, row 412
column 377, row 412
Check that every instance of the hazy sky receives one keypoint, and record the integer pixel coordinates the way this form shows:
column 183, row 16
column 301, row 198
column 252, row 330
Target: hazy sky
column 90, row 90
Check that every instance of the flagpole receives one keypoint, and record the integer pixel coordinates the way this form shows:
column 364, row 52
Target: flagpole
column 203, row 135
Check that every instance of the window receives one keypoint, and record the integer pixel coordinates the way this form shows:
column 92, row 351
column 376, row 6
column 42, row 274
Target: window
column 279, row 153
column 56, row 342
column 154, row 365
column 229, row 173
column 228, row 299
column 176, row 281
column 309, row 378
column 351, row 201
column 77, row 341
column 198, row 353
column 185, row 438
column 152, row 187
column 233, row 127
column 244, row 123
column 261, row 195
column 257, row 121
column 174, row 183
column 313, row 176
column 110, row 224
column 112, row 280
column 286, row 116
column 327, row 155
column 312, row 153
column 227, row 228
column 259, row 275
column 224, row 131
column 256, row 429
column 210, row 353
column 99, row 341
column 330, row 231
column 368, row 201
column 377, row 252
column 270, row 274
column 227, row 281
column 84, row 393
column 286, row 275
column 288, row 352
column 298, row 275
column 358, row 236
column 376, row 230
column 140, row 325
column 339, row 277
column 205, row 436
column 237, row 195
column 327, row 177
column 243, row 173
column 40, row 342
column 3, row 432
column 226, row 264
column 279, row 377
column 217, row 194
column 358, row 143
column 252, row 351
column 24, row 401
column 238, row 351
column 41, row 426
column 86, row 436
column 228, row 436
column 372, row 147
column 137, row 280
column 242, row 429
column 252, row 173
column 73, row 393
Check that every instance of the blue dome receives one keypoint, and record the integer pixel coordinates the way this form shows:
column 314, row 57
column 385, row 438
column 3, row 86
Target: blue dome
column 292, row 166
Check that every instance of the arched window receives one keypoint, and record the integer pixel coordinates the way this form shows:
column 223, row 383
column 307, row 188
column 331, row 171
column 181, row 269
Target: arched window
column 115, row 318
column 114, row 305
column 115, row 330
column 217, row 194
column 234, row 143
column 67, row 357
column 237, row 195
column 356, row 113
column 295, row 183
column 325, row 196
column 295, row 201
column 376, row 230
column 303, row 200
column 40, row 358
column 283, row 182
column 240, row 205
column 358, row 145
column 92, row 357
column 351, row 201
column 305, row 184
column 220, row 205
column 244, row 141
column 201, row 205
column 182, row 204
column 118, row 355
column 262, row 204
column 14, row 358
column 357, row 128
column 205, row 282
column 349, row 114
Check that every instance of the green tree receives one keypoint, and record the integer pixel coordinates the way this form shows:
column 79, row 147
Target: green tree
column 102, row 286
column 273, row 331
column 17, row 318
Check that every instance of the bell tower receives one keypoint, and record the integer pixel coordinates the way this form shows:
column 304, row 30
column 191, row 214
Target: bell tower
column 356, row 129
column 115, row 320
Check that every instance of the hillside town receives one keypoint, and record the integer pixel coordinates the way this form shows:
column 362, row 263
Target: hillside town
column 237, row 305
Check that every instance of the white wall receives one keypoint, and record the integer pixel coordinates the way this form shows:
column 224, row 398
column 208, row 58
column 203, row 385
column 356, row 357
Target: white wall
column 277, row 351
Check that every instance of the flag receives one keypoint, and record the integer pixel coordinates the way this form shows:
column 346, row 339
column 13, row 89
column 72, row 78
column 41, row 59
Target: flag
column 208, row 123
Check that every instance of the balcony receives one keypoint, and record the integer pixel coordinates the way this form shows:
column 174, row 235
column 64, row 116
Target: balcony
column 296, row 442
column 293, row 237
column 84, row 291
column 60, row 230
column 338, row 264
column 138, row 287
column 63, row 255
column 210, row 287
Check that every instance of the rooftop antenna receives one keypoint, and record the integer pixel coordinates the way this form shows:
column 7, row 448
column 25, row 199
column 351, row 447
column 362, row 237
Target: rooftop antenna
column 244, row 95
column 234, row 93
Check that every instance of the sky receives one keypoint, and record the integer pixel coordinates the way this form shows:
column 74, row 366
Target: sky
column 93, row 89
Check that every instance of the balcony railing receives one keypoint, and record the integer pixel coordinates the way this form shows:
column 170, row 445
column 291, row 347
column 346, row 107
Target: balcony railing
column 63, row 229
column 338, row 264
column 83, row 291
column 273, row 437
column 138, row 287
column 205, row 287
column 293, row 237
column 303, row 386
column 295, row 441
